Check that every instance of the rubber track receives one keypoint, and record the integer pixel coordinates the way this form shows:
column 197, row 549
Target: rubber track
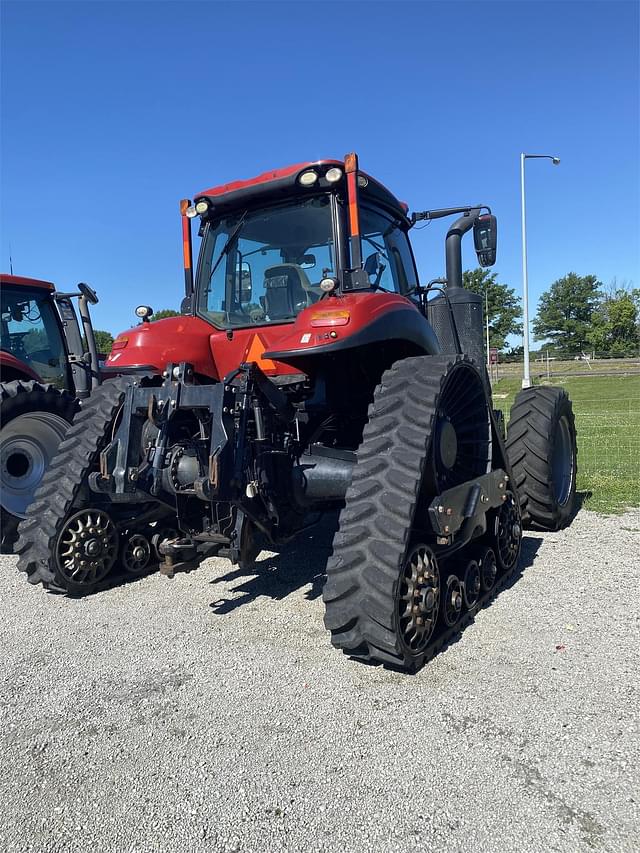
column 376, row 523
column 55, row 497
column 532, row 426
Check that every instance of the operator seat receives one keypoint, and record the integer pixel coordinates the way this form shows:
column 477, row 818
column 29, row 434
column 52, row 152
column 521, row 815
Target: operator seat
column 287, row 291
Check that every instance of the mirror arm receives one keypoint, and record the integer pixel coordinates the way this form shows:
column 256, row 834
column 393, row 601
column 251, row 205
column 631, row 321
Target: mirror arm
column 420, row 215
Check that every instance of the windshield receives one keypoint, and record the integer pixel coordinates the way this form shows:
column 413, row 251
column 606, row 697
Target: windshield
column 266, row 266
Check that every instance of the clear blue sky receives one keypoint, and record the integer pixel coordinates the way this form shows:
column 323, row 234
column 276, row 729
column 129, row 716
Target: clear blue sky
column 111, row 112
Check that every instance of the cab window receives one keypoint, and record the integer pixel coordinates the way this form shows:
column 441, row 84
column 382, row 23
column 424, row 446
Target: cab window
column 386, row 252
column 265, row 266
column 31, row 333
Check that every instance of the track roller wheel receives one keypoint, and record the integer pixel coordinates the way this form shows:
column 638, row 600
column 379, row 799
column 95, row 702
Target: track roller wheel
column 452, row 601
column 488, row 569
column 419, row 596
column 86, row 549
column 508, row 534
column 135, row 554
column 429, row 430
column 472, row 584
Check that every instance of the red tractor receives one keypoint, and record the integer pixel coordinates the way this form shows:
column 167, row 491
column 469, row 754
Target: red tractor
column 310, row 370
column 44, row 373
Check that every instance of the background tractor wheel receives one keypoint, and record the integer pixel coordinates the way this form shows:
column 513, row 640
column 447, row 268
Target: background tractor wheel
column 428, row 430
column 542, row 450
column 33, row 421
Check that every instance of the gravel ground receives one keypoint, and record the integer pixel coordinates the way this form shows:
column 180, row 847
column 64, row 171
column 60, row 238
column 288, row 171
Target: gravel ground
column 210, row 713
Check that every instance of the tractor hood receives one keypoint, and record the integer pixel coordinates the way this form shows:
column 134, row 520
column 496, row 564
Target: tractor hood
column 331, row 325
column 154, row 345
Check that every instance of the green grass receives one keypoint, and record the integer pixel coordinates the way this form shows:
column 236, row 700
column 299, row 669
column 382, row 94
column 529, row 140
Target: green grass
column 607, row 410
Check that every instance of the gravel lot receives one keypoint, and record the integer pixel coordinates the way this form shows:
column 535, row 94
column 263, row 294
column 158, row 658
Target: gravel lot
column 210, row 713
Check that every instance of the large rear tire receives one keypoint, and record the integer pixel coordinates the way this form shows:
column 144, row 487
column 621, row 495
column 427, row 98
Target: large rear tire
column 34, row 419
column 542, row 451
column 428, row 430
column 59, row 525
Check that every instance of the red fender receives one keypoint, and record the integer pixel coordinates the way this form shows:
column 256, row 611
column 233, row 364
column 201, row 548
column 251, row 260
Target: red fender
column 15, row 368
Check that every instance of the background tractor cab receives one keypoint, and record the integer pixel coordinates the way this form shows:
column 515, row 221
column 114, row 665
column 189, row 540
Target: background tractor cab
column 47, row 365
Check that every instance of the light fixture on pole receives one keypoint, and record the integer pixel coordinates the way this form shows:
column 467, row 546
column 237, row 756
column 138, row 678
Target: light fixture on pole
column 526, row 378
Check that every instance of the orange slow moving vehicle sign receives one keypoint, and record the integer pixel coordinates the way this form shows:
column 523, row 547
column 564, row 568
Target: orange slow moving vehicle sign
column 255, row 348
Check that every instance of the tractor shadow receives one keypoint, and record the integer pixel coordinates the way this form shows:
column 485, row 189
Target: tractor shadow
column 581, row 502
column 303, row 562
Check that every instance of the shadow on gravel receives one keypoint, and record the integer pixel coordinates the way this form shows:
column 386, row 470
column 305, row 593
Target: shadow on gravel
column 302, row 561
column 528, row 553
column 581, row 500
column 117, row 578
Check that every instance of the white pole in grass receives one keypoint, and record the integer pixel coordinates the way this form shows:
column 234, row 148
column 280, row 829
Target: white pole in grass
column 526, row 377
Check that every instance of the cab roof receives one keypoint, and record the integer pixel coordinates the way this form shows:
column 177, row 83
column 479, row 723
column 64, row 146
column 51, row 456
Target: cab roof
column 23, row 281
column 280, row 183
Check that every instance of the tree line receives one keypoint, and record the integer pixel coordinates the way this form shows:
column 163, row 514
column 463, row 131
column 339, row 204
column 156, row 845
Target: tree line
column 577, row 313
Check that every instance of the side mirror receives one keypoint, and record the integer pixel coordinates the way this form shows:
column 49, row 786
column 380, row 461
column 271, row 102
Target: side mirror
column 246, row 287
column 485, row 239
column 89, row 293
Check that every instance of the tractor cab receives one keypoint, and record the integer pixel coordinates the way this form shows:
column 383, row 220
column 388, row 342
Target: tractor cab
column 31, row 338
column 280, row 243
column 40, row 337
column 44, row 373
column 310, row 260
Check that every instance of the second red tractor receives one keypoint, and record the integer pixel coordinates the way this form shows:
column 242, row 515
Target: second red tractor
column 48, row 365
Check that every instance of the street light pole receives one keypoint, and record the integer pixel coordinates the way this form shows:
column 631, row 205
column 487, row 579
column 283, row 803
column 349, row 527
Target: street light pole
column 526, row 377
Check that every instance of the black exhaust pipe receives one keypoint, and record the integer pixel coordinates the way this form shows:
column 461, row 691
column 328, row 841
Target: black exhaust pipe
column 465, row 306
column 453, row 247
